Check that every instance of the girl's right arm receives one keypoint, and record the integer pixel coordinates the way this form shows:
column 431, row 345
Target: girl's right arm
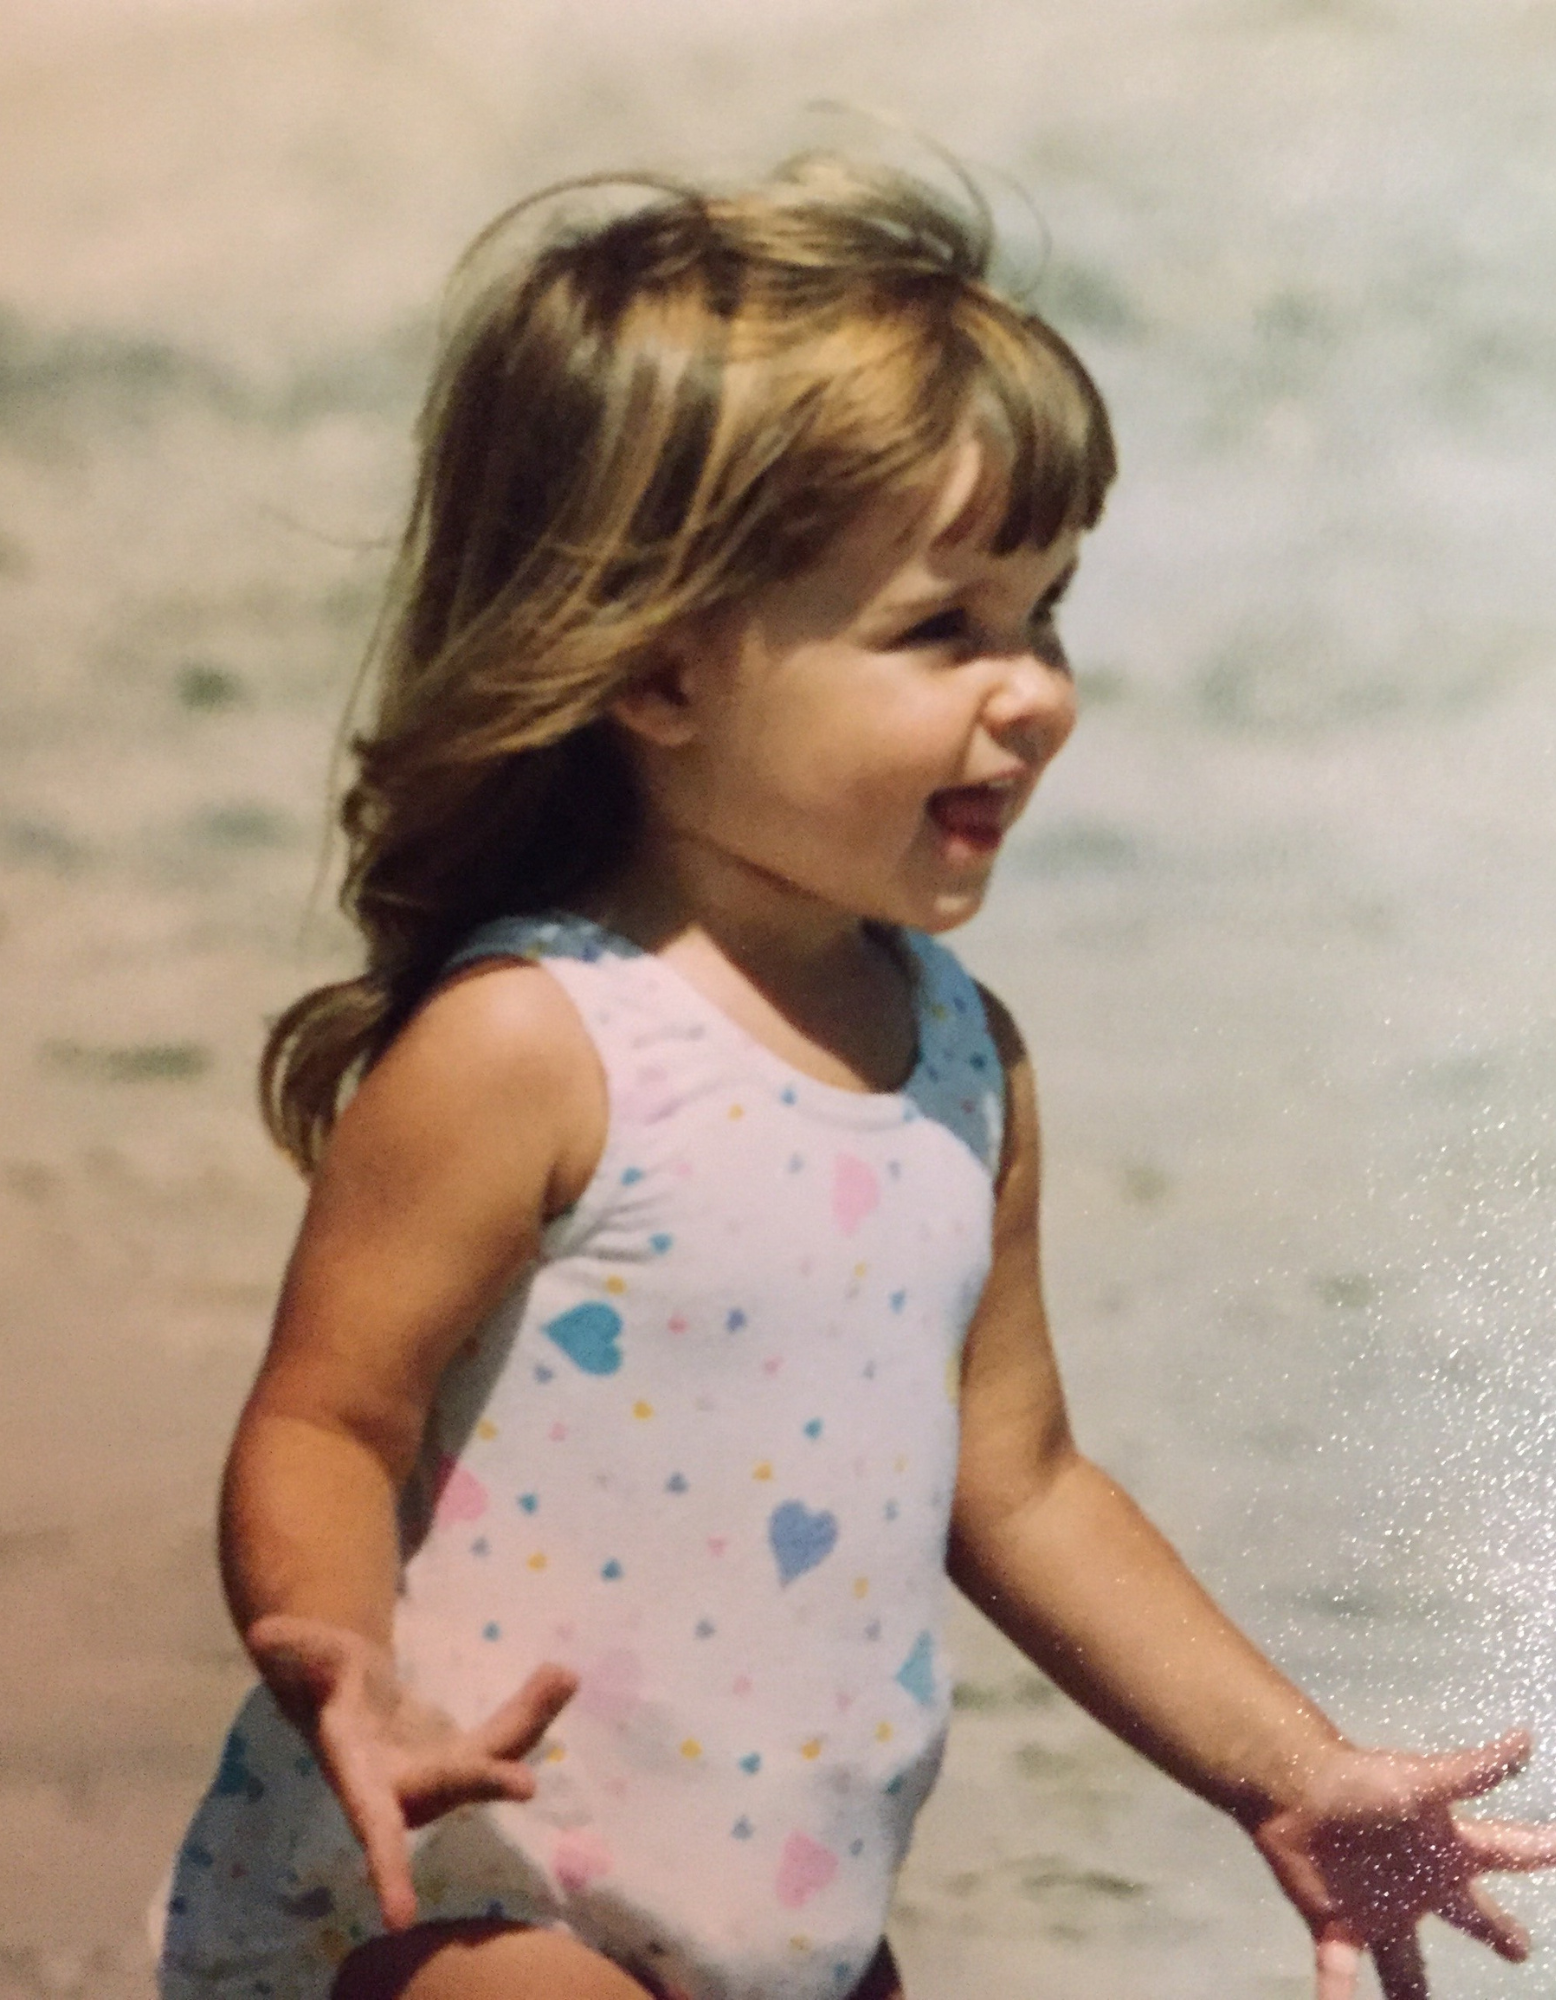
column 484, row 1119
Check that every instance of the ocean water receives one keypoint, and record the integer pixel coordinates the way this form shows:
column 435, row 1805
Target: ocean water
column 1279, row 927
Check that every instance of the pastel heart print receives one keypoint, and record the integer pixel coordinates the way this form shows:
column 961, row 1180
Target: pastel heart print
column 235, row 1779
column 917, row 1672
column 579, row 1858
column 805, row 1868
column 461, row 1496
column 588, row 1336
column 611, row 1689
column 800, row 1539
column 856, row 1192
column 645, row 1100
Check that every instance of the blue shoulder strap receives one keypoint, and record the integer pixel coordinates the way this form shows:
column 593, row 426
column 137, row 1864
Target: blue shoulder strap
column 959, row 1079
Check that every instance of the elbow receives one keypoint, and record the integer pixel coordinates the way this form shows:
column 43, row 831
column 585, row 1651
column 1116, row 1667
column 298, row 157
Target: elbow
column 1000, row 1499
column 291, row 1412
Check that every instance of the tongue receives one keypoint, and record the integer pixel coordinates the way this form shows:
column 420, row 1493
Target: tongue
column 969, row 810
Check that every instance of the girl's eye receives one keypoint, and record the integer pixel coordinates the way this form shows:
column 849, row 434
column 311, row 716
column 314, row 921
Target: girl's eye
column 945, row 628
column 1047, row 608
column 1044, row 619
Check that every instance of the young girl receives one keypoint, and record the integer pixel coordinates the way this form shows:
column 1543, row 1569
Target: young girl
column 666, row 1321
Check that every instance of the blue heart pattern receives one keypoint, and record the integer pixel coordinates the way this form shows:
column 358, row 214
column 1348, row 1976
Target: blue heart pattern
column 588, row 1336
column 235, row 1779
column 800, row 1539
column 917, row 1672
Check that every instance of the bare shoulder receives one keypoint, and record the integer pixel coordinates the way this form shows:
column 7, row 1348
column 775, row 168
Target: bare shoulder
column 483, row 1119
column 1003, row 1032
column 1020, row 1148
column 1013, row 1422
column 495, row 1074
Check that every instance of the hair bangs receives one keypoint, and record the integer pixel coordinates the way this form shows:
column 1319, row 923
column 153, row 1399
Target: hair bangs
column 1051, row 422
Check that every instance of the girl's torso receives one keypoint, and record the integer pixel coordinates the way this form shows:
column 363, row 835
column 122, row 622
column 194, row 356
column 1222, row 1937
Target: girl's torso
column 703, row 1455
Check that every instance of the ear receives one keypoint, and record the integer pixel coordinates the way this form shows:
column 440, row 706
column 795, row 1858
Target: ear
column 659, row 706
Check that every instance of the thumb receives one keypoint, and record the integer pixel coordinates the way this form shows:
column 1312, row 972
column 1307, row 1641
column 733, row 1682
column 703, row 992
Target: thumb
column 1465, row 1774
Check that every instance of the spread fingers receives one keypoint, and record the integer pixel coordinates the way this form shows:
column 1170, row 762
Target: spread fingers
column 1469, row 1909
column 524, row 1718
column 1401, row 1968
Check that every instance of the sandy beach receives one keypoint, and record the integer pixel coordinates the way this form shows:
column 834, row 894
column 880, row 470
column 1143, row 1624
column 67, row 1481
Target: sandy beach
column 1280, row 929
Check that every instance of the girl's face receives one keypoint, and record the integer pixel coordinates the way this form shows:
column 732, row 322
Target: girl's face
column 863, row 736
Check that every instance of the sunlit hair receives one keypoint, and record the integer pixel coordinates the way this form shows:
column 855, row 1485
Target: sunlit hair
column 635, row 423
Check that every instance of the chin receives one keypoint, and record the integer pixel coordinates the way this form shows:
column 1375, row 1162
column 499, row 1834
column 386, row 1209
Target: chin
column 948, row 909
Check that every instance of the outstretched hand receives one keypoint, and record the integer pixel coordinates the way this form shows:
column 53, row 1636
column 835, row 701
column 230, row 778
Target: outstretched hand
column 1376, row 1847
column 394, row 1762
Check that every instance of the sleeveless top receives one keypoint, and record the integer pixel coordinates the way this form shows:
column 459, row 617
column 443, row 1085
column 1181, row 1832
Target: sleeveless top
column 702, row 1455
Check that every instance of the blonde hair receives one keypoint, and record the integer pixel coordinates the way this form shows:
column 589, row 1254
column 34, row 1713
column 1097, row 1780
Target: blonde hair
column 634, row 424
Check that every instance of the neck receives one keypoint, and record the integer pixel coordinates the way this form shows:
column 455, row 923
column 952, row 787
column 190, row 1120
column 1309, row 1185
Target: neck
column 677, row 886
column 812, row 982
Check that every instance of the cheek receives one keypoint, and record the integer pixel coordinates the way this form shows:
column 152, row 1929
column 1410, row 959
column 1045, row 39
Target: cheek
column 842, row 757
column 1066, row 715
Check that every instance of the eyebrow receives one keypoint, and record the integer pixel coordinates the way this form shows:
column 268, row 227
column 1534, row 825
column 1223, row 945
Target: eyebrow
column 939, row 600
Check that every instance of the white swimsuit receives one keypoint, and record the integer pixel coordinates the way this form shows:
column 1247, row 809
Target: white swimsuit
column 702, row 1455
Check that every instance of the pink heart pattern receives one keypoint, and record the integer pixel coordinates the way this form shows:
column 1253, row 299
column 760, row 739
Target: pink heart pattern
column 611, row 1688
column 856, row 1192
column 461, row 1496
column 579, row 1858
column 806, row 1868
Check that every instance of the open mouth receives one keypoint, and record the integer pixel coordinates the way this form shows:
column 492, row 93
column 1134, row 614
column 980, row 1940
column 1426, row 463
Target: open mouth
column 972, row 815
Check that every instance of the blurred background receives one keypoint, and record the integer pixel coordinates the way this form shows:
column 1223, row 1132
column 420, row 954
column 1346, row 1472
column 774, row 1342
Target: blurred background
column 1279, row 928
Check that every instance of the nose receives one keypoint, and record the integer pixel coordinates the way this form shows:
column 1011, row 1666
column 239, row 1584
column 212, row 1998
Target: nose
column 1031, row 704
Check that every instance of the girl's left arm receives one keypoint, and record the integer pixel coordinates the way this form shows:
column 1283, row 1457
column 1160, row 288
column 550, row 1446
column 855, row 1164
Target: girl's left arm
column 1065, row 1564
